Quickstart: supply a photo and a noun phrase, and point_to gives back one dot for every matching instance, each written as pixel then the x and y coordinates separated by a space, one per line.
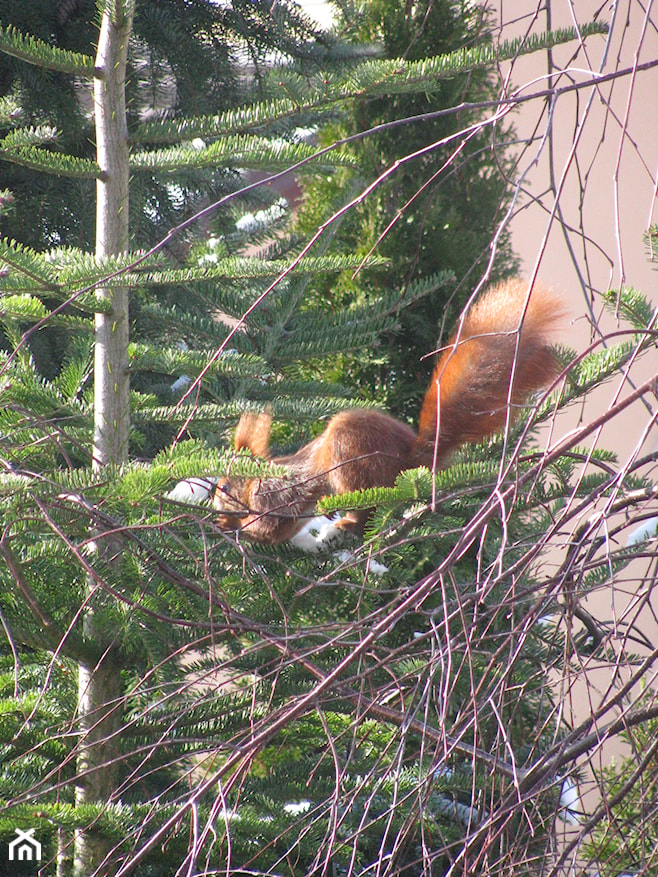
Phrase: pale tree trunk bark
pixel 100 691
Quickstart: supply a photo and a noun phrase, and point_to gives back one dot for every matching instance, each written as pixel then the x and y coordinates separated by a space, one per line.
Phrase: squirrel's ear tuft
pixel 253 433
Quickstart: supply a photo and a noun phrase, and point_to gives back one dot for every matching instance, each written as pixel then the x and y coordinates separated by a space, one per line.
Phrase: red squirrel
pixel 467 400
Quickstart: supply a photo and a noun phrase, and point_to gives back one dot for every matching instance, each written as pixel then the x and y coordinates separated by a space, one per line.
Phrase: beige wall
pixel 604 160
pixel 602 156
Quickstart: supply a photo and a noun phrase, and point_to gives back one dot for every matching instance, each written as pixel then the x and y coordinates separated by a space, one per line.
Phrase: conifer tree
pixel 625 838
pixel 440 210
pixel 274 710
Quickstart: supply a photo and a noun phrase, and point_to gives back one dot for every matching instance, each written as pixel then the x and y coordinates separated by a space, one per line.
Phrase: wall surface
pixel 586 141
pixel 588 168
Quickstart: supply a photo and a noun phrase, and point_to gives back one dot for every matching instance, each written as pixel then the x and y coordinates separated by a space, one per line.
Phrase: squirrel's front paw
pixel 318 534
pixel 193 491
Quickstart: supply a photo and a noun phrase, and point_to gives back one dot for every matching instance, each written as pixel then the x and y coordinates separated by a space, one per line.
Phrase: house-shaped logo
pixel 24 848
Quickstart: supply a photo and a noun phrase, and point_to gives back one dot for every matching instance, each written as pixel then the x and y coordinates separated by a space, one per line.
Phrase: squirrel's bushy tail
pixel 505 337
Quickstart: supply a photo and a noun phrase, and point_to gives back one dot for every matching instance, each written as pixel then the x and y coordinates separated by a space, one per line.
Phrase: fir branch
pixel 21 138
pixel 596 367
pixel 239 121
pixel 239 268
pixel 236 151
pixel 22 307
pixel 287 409
pixel 28 262
pixel 633 306
pixel 37 52
pixel 397 76
pixel 174 361
pixel 370 78
pixel 27 308
pixel 77 269
pixel 46 161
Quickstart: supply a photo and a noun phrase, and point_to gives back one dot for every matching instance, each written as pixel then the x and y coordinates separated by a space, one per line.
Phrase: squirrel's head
pixel 238 499
pixel 231 499
pixel 265 510
pixel 268 509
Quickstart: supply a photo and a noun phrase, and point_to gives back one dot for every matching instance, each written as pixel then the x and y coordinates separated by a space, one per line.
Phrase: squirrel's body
pixel 504 341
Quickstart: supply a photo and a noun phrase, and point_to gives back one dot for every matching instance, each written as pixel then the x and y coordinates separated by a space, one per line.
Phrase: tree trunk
pixel 100 691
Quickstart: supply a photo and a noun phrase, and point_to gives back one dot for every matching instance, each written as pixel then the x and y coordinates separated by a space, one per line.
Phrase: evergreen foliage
pixel 440 211
pixel 625 838
pixel 281 711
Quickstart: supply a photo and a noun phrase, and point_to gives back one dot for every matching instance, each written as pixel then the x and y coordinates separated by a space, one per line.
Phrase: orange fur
pixel 483 357
pixel 253 433
pixel 503 341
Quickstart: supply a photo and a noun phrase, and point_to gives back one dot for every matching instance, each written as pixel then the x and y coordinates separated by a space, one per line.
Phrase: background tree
pixel 186 60
pixel 437 212
pixel 279 710
pixel 625 838
pixel 101 657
